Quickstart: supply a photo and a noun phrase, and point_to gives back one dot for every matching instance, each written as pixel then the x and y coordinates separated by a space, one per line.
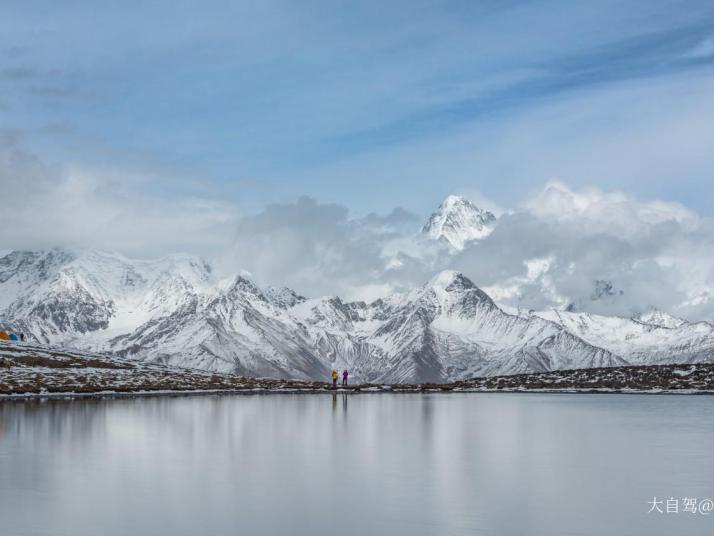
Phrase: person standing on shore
pixel 334 379
pixel 344 377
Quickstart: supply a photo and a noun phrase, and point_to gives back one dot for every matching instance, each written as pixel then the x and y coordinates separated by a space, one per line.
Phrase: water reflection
pixel 343 398
pixel 393 464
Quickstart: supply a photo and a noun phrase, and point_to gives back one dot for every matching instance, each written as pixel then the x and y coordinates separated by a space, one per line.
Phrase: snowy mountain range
pixel 174 311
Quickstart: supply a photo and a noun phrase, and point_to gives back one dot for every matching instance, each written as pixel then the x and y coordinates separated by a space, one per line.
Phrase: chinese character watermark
pixel 685 505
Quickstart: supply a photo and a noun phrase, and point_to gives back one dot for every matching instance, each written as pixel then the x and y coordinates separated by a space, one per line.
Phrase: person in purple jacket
pixel 344 377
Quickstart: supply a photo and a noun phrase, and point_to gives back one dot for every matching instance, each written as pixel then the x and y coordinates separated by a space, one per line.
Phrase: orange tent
pixel 4 335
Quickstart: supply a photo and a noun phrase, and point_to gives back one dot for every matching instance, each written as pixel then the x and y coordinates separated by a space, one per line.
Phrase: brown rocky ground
pixel 30 370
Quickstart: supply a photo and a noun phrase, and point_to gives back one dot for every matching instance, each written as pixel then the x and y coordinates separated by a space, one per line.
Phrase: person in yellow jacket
pixel 334 379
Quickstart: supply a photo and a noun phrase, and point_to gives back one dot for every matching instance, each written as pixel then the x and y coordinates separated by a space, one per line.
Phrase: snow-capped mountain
pixel 648 339
pixel 458 221
pixel 174 311
pixel 57 295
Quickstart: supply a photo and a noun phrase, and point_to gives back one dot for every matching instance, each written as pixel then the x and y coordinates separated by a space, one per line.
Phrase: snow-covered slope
pixel 450 329
pixel 459 221
pixel 67 297
pixel 648 339
pixel 174 311
pixel 238 330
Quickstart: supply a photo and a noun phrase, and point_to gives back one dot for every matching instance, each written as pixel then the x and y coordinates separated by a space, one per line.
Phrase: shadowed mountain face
pixel 173 311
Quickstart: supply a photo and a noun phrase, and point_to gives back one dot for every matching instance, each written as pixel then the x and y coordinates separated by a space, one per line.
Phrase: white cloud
pixel 557 247
pixel 597 211
pixel 702 50
pixel 562 246
pixel 79 207
pixel 574 245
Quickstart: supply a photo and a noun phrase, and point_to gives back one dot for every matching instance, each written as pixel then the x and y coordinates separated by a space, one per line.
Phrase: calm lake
pixel 376 464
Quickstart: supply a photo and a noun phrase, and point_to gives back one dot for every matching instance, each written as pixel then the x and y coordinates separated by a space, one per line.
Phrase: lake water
pixel 376 464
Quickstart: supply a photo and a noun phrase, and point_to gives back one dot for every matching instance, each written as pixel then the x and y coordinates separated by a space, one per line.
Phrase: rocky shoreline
pixel 28 371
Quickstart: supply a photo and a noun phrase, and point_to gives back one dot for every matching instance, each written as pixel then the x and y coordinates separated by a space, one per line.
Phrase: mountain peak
pixel 450 280
pixel 454 200
pixel 660 319
pixel 458 221
pixel 283 297
pixel 241 284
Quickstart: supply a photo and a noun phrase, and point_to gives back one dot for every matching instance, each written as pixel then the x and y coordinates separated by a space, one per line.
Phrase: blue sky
pixel 367 104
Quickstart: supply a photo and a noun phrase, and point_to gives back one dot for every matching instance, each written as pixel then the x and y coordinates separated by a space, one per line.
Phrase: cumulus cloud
pixel 318 248
pixel 563 247
pixel 592 250
pixel 46 206
pixel 587 249
pixel 615 212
